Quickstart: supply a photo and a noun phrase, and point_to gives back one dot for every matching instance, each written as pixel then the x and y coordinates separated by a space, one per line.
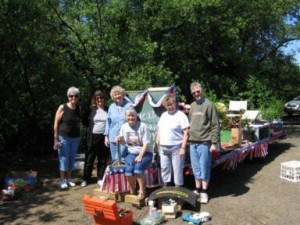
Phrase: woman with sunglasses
pixel 67 136
pixel 95 118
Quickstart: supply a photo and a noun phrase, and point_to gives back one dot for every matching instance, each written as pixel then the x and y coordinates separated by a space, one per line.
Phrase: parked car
pixel 292 106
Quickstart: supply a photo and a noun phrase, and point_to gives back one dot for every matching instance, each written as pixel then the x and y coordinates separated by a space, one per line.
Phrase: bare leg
pixel 131 184
pixel 69 174
pixel 198 183
pixel 141 180
pixel 63 175
pixel 205 184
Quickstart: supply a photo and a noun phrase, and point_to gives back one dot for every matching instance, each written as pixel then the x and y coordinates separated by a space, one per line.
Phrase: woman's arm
pixel 142 152
pixel 184 141
pixel 107 127
pixel 157 141
pixel 57 121
pixel 120 140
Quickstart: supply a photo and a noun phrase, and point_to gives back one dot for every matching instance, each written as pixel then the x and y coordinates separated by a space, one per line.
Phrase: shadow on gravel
pixel 223 183
pixel 233 182
pixel 48 174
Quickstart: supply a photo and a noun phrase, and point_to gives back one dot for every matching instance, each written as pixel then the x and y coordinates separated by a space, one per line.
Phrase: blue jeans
pixel 201 161
pixel 132 167
pixel 117 152
pixel 67 152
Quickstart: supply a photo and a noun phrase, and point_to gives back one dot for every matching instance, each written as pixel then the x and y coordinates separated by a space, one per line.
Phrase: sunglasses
pixel 196 92
pixel 99 97
pixel 73 96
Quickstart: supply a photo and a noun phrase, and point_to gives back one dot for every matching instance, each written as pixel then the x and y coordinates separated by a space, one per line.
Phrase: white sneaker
pixel 70 183
pixel 63 184
pixel 203 198
pixel 83 183
pixel 100 182
pixel 196 192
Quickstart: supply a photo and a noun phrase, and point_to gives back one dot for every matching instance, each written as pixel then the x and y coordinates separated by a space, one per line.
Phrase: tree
pixel 49 45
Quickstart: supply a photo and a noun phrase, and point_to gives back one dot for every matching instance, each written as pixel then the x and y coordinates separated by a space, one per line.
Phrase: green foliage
pixel 48 46
pixel 273 109
pixel 257 92
pixel 147 76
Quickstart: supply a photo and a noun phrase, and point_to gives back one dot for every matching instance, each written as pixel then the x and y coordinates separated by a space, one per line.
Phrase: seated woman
pixel 136 136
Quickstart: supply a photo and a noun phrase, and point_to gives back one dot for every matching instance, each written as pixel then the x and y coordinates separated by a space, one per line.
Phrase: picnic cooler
pixel 106 211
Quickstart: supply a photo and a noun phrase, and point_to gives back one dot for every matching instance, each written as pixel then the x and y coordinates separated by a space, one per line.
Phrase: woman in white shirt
pixel 136 136
pixel 171 140
pixel 95 119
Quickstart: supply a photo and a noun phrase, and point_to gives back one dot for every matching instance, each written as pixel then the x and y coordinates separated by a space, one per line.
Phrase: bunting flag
pixel 116 181
pixel 259 149
pixel 277 132
pixel 230 161
pixel 139 99
pixel 156 103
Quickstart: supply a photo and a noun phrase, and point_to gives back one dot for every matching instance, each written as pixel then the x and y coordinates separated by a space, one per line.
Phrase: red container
pixel 106 211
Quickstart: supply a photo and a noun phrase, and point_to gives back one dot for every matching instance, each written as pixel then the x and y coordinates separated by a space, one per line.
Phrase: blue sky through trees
pixel 293 48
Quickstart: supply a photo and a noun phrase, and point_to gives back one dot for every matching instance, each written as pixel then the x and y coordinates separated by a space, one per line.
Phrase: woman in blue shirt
pixel 115 119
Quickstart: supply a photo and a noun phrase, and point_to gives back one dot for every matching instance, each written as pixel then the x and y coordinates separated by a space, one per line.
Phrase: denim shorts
pixel 201 160
pixel 132 167
pixel 67 152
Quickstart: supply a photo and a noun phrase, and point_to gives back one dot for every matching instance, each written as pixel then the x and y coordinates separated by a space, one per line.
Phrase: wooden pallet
pixel 133 199
pixel 170 215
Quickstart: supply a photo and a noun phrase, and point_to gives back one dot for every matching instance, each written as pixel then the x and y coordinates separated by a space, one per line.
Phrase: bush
pixel 272 110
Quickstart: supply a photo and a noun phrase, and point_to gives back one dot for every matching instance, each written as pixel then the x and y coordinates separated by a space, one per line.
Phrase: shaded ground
pixel 252 194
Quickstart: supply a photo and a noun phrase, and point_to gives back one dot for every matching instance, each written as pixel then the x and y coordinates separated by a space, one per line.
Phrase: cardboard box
pixel 169 208
pixel 235 136
pixel 22 179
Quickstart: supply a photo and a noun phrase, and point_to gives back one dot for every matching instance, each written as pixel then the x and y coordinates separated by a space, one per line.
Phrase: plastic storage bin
pixel 290 171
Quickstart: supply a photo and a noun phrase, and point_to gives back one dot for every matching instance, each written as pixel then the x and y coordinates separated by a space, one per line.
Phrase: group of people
pixel 118 134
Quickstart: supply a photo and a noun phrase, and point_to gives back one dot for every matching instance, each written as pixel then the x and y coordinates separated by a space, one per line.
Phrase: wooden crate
pixel 133 199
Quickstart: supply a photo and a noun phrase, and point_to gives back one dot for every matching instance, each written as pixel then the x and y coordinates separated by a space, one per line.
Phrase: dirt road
pixel 252 194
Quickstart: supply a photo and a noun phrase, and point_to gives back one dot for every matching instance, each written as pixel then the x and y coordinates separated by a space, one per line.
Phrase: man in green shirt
pixel 204 137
